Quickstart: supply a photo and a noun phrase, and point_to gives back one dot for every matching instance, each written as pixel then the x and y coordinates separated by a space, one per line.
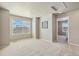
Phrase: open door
pixel 63 30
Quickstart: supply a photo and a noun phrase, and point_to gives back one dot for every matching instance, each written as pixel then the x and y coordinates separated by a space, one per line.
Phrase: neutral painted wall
pixel 45 15
pixel 47 33
pixel 73 26
pixel 4 27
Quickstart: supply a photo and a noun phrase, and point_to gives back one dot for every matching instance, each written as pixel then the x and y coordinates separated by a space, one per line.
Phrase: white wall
pixel 45 14
pixel 46 33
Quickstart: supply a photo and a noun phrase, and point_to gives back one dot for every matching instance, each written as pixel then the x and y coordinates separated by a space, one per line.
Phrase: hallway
pixel 62 39
pixel 33 47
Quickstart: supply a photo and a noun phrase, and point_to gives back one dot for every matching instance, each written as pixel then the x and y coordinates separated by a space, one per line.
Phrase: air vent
pixel 64 4
pixel 54 8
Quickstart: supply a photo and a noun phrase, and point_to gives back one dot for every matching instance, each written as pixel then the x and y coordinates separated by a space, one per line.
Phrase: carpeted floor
pixel 33 47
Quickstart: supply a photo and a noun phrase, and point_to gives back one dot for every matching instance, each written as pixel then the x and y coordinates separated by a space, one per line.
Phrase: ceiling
pixel 42 5
pixel 60 6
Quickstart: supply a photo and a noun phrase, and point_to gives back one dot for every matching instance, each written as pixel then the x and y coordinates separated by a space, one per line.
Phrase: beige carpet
pixel 32 47
pixel 62 39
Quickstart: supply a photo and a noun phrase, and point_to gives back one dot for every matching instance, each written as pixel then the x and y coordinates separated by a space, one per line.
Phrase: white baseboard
pixel 74 44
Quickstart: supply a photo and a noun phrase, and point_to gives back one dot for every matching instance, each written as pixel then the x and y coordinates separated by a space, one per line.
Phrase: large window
pixel 20 25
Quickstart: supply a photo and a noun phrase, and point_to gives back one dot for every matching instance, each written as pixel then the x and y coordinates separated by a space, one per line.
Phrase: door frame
pixel 37 27
pixel 62 19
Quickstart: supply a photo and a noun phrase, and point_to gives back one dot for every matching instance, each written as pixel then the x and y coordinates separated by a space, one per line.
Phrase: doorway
pixel 62 29
pixel 37 27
